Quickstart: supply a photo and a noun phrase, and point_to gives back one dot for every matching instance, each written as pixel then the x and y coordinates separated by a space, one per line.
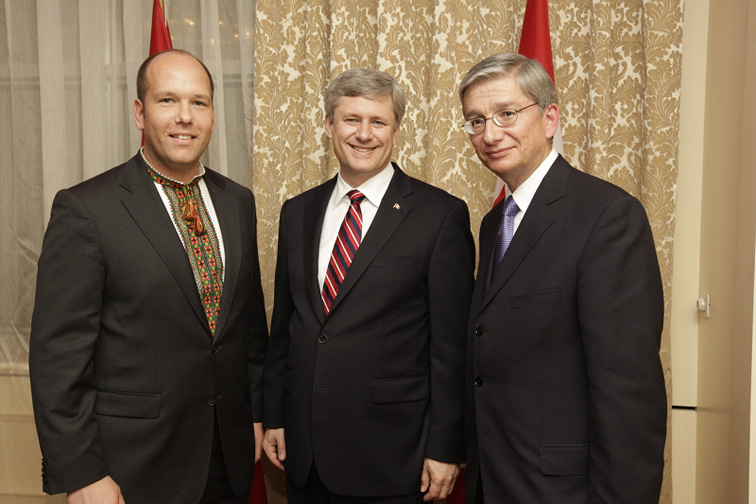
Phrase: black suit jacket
pixel 375 387
pixel 126 378
pixel 565 392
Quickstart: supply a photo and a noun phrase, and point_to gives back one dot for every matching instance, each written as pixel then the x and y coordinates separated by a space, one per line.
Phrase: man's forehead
pixel 164 65
pixel 352 102
pixel 502 92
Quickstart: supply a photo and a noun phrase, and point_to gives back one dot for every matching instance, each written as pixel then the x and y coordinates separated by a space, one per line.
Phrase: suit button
pixel 215 349
pixel 479 331
pixel 211 401
pixel 323 338
pixel 478 381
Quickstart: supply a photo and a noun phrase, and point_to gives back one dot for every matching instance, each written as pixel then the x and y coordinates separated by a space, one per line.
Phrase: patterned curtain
pixel 617 69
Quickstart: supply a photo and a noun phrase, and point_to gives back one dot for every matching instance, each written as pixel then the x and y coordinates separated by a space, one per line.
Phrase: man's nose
pixel 493 132
pixel 184 112
pixel 364 130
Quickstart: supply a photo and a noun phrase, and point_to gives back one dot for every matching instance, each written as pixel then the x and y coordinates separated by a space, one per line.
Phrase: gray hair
pixel 369 83
pixel 528 73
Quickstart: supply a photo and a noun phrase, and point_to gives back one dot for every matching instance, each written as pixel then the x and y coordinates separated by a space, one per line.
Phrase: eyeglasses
pixel 502 118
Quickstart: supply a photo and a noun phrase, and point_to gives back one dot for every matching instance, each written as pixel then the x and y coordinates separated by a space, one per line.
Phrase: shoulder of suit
pixel 599 189
pixel 106 180
pixel 224 182
pixel 424 190
pixel 323 189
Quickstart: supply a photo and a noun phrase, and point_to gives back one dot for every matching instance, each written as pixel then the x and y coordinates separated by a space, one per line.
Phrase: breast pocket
pixel 537 298
pixel 395 261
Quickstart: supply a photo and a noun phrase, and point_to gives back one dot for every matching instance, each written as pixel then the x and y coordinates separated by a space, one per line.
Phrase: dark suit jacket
pixel 375 387
pixel 565 392
pixel 125 376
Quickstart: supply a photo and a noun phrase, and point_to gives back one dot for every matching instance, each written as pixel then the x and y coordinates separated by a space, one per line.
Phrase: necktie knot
pixel 355 197
pixel 510 207
pixel 506 231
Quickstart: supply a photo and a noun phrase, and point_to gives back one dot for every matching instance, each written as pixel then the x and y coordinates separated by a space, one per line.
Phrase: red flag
pixel 535 43
pixel 257 493
pixel 160 38
pixel 535 40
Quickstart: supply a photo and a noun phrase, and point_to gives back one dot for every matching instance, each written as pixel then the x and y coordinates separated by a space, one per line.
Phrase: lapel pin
pixel 396 206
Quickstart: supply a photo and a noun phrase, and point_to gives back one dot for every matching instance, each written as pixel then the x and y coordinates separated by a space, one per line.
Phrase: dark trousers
pixel 218 488
pixel 314 492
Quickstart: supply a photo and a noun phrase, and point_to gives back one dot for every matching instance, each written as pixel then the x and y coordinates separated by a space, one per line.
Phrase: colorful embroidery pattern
pixel 191 218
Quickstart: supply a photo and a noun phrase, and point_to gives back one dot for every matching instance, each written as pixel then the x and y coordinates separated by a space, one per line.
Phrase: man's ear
pixel 551 120
pixel 329 127
pixel 139 114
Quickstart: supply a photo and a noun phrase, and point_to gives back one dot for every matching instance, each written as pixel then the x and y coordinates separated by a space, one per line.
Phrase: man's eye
pixel 507 113
pixel 478 121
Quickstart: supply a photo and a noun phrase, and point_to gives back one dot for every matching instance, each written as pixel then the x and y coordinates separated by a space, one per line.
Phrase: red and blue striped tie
pixel 347 243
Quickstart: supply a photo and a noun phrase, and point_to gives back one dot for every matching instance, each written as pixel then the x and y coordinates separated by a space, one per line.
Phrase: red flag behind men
pixel 535 43
pixel 160 38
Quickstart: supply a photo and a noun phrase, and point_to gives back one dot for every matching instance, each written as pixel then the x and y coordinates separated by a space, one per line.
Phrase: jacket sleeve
pixel 450 283
pixel 278 346
pixel 64 334
pixel 258 334
pixel 620 309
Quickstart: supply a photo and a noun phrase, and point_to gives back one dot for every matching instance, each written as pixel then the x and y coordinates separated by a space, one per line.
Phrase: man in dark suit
pixel 149 329
pixel 363 377
pixel 565 392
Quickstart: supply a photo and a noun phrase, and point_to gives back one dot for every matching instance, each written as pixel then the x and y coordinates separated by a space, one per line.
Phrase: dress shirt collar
pixel 374 188
pixel 523 195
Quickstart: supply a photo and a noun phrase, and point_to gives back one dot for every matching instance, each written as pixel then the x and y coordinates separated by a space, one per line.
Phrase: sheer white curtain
pixel 67 84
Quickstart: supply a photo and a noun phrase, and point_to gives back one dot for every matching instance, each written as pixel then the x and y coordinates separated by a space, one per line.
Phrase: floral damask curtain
pixel 617 69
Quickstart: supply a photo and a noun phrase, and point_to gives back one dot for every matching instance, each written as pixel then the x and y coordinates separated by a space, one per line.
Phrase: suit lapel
pixel 143 203
pixel 392 211
pixel 314 213
pixel 228 220
pixel 536 221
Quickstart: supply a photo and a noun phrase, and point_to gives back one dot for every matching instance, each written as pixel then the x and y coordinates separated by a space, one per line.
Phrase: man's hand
pixel 104 491
pixel 274 445
pixel 438 479
pixel 258 440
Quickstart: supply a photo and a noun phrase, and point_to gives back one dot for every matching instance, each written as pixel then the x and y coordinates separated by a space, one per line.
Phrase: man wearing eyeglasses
pixel 565 391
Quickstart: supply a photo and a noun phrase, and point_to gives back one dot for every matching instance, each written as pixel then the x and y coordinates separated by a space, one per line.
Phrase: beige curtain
pixel 617 69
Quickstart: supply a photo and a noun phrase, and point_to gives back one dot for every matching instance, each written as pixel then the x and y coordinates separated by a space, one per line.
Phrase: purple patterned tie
pixel 347 242
pixel 506 231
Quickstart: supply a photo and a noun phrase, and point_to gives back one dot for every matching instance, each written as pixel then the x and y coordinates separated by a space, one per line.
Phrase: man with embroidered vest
pixel 149 329
pixel 565 392
pixel 363 386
